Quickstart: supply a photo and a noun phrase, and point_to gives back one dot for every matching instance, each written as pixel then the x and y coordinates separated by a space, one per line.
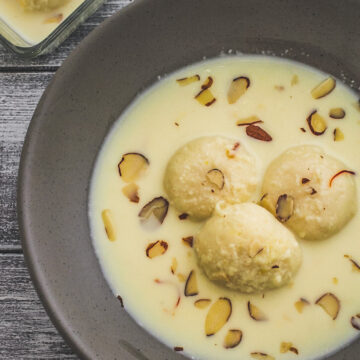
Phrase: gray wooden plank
pixel 8 59
pixel 19 95
pixel 26 332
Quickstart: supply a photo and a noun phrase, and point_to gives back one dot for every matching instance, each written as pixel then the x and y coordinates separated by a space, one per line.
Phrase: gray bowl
pixel 88 93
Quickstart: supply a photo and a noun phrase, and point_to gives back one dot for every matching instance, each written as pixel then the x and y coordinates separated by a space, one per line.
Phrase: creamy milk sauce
pixel 34 26
pixel 148 127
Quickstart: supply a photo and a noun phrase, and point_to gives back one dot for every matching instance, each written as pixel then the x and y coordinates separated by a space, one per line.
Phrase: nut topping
pixel 337 113
pixel 258 133
pixel 255 313
pixel 188 241
pixel 217 316
pixel 132 166
pixel 237 88
pixel 188 80
pixel 207 84
pixel 191 287
pixel 205 97
pixel 284 207
pixel 202 303
pixel 338 135
pixel 330 303
pixel 355 322
pixel 108 224
pixel 317 124
pixel 324 88
pixel 232 339
pixel 288 346
pixel 156 248
pixel 157 208
pixel 216 177
pixel 261 356
pixel 251 120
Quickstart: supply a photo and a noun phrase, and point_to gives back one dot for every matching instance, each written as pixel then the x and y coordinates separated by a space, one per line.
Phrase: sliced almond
pixel 188 241
pixel 354 263
pixel 330 303
pixel 156 209
pixel 251 120
pixel 294 80
pixel 324 88
pixel 109 224
pixel 132 166
pixel 232 338
pixel 355 322
pixel 131 192
pixel 340 173
pixel 257 133
pixel 288 346
pixel 337 113
pixel 261 356
pixel 191 286
pixel 338 135
pixel 301 304
pixel 317 123
pixel 237 88
pixel 284 207
pixel 217 316
pixel 216 177
pixel 208 83
pixel 174 265
pixel 156 248
pixel 56 19
pixel 205 97
pixel 255 313
pixel 202 303
pixel 188 80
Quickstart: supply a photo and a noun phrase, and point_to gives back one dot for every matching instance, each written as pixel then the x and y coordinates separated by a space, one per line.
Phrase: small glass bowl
pixel 15 42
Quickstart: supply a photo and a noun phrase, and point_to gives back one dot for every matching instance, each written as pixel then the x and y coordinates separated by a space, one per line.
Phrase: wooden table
pixel 25 329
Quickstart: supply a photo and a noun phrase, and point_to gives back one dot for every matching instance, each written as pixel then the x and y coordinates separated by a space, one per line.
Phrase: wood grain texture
pixel 25 329
pixel 26 332
pixel 19 95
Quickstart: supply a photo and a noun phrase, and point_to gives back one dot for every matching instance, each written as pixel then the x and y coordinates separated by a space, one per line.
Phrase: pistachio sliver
pixel 188 80
pixel 205 97
pixel 324 88
pixel 202 303
pixel 337 113
pixel 108 224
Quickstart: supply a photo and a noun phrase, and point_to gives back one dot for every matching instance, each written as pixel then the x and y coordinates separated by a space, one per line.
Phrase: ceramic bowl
pixel 117 61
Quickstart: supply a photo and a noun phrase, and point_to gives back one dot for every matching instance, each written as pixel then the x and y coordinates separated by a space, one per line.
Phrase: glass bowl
pixel 18 42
